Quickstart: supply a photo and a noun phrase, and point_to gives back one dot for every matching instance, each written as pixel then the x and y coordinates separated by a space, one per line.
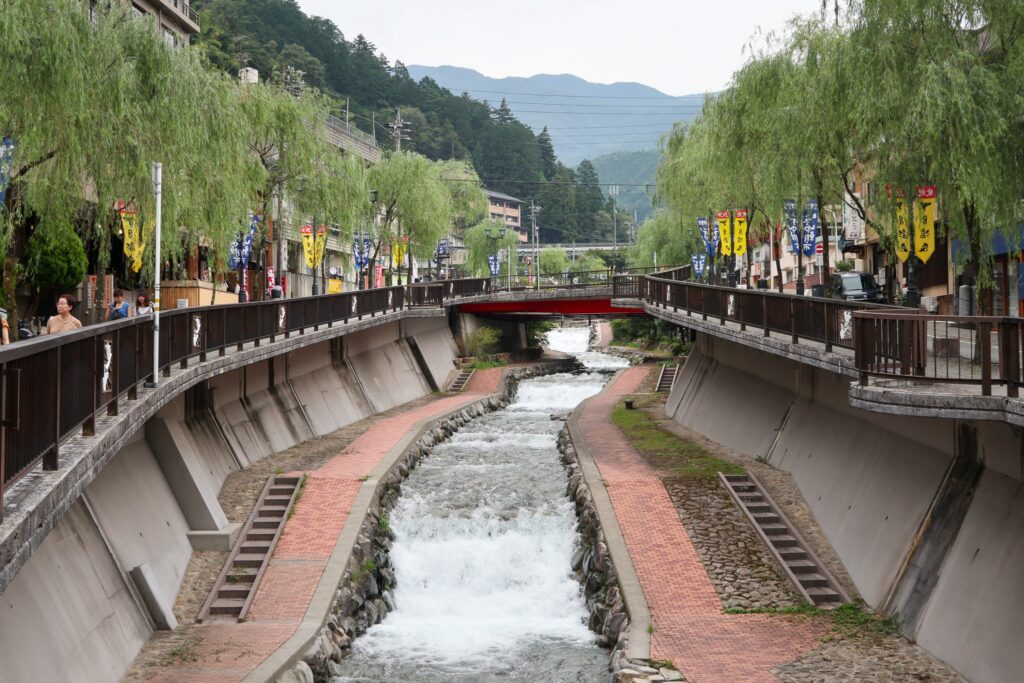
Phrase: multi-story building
pixel 510 210
pixel 176 19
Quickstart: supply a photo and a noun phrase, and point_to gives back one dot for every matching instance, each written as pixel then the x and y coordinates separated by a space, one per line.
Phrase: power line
pixel 548 94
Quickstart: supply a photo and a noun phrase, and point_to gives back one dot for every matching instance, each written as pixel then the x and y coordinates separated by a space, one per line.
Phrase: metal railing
pixel 351 130
pixel 186 9
pixel 969 350
pixel 829 321
pixel 606 277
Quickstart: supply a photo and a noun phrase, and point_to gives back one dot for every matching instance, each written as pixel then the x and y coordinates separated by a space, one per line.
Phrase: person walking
pixel 143 306
pixel 5 328
pixel 119 308
pixel 63 321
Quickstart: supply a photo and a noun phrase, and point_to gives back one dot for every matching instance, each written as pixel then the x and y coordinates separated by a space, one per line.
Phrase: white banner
pixel 853 224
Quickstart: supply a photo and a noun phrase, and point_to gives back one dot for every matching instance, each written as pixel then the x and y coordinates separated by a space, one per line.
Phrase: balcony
pixel 180 12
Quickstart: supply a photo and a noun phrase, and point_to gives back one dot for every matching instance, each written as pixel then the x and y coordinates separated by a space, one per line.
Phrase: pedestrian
pixel 119 308
pixel 63 321
pixel 5 328
pixel 143 306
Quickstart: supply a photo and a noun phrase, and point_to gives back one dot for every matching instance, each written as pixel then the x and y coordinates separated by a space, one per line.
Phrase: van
pixel 856 287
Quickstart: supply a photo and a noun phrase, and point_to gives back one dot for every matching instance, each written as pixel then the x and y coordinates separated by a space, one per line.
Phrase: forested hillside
pixel 634 173
pixel 366 87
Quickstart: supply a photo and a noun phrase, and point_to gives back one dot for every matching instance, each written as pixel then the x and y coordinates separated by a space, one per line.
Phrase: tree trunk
pixel 825 280
pixel 983 303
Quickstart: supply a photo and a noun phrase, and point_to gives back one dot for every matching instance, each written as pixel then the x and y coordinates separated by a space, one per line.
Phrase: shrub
pixel 844 266
pixel 482 341
pixel 55 257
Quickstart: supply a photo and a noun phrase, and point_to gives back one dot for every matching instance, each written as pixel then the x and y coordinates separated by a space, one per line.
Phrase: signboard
pixel 334 285
pixel 241 248
pixel 853 224
pixel 321 244
pixel 739 246
pixel 705 234
pixel 134 240
pixel 308 245
pixel 819 247
pixel 790 219
pixel 699 260
pixel 810 226
pixel 924 222
pixel 902 230
pixel 723 218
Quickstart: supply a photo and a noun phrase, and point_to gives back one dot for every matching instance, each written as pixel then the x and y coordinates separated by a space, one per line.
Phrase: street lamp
pixel 493 251
pixel 157 179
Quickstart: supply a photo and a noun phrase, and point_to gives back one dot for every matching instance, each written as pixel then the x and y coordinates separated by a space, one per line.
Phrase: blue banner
pixel 6 162
pixel 792 224
pixel 810 227
pixel 442 247
pixel 241 249
pixel 705 233
pixel 699 260
pixel 495 266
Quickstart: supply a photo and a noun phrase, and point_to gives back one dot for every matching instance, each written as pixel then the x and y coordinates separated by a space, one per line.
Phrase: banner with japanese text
pixel 924 222
pixel 321 244
pixel 811 221
pixel 739 226
pixel 134 239
pixel 723 218
pixel 6 164
pixel 699 260
pixel 902 227
pixel 705 234
pixel 308 245
pixel 792 224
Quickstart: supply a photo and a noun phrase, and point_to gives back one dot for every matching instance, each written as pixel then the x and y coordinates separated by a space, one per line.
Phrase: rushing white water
pixel 576 341
pixel 482 556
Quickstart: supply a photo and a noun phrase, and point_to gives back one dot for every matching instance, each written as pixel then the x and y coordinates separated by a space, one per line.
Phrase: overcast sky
pixel 677 46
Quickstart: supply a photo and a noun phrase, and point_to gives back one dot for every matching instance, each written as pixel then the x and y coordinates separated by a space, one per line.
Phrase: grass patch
pixel 683 458
pixel 298 496
pixel 183 652
pixel 848 619
pixel 486 364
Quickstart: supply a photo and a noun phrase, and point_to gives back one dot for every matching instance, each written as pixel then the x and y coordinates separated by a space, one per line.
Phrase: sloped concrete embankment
pixel 927 514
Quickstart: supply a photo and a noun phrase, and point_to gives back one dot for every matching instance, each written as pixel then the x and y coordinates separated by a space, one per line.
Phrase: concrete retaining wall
pixel 72 612
pixel 872 481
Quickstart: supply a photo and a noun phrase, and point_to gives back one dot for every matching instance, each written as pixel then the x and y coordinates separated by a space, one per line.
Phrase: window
pixel 170 38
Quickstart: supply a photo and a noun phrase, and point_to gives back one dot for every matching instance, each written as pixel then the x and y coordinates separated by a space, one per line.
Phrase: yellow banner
pixel 724 232
pixel 902 230
pixel 924 223
pixel 739 225
pixel 398 251
pixel 321 244
pixel 134 239
pixel 309 245
pixel 333 286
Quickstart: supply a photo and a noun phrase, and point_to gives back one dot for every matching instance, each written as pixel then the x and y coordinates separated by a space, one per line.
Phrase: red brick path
pixel 690 628
pixel 604 335
pixel 228 651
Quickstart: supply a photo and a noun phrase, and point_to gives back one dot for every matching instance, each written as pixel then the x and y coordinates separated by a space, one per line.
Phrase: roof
pixel 502 196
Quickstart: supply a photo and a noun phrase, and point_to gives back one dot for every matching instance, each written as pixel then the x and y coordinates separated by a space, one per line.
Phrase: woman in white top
pixel 143 306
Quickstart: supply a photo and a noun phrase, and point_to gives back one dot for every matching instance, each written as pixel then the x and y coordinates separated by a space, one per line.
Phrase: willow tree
pixel 91 98
pixel 485 239
pixel 412 203
pixel 663 239
pixel 941 87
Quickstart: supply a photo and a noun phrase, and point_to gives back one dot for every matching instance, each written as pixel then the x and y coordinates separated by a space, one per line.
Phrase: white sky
pixel 679 47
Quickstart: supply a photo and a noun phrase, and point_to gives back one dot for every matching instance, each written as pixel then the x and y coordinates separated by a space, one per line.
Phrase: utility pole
pixel 613 191
pixel 534 210
pixel 157 178
pixel 399 131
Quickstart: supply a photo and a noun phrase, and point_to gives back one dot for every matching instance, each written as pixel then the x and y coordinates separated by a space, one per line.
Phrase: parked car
pixel 856 287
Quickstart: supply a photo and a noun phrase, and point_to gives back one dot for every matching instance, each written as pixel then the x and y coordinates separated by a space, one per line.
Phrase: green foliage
pixel 490 236
pixel 487 364
pixel 553 261
pixel 684 458
pixel 412 201
pixel 536 332
pixel 844 266
pixel 55 257
pixel 482 340
pixel 635 172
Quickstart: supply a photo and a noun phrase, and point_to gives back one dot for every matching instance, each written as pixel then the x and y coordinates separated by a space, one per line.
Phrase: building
pixel 176 19
pixel 509 209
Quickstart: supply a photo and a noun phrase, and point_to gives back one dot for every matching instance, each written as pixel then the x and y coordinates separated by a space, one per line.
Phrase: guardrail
pixel 569 280
pixel 829 321
pixel 351 130
pixel 971 350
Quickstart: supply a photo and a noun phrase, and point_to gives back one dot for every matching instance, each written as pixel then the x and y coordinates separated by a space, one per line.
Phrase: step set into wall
pixel 667 377
pixel 804 570
pixel 236 586
pixel 461 380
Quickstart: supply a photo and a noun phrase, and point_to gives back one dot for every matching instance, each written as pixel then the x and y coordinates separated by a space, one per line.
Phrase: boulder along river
pixel 484 539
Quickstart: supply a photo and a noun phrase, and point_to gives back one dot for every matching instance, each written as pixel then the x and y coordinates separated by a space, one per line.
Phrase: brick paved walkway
pixel 604 335
pixel 690 628
pixel 228 651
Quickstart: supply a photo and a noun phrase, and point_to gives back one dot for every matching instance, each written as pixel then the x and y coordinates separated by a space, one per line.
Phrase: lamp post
pixel 157 178
pixel 493 251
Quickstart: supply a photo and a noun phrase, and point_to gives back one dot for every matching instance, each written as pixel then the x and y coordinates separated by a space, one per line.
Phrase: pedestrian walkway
pixel 228 651
pixel 690 627
pixel 604 335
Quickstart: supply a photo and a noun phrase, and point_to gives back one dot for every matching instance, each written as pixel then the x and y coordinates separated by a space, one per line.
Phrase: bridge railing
pixel 54 387
pixel 829 321
pixel 966 350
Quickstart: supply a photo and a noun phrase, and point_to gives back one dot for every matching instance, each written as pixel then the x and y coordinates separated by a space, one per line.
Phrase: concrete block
pixel 145 582
pixel 222 540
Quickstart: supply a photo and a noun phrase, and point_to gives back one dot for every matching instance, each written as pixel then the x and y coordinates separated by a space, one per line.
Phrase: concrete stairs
pixel 461 380
pixel 236 586
pixel 804 570
pixel 667 377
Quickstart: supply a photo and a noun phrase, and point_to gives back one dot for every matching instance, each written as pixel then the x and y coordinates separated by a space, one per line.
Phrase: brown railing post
pixel 740 302
pixel 764 315
pixel 89 426
pixel 703 308
pixel 792 321
pixel 723 305
pixel 51 458
pixel 829 327
pixel 115 372
pixel 1009 356
pixel 985 340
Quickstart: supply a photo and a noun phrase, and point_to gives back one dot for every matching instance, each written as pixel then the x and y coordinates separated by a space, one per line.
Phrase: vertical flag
pixel 724 233
pixel 321 244
pixel 309 245
pixel 6 163
pixel 810 227
pixel 705 234
pixel 924 223
pixel 902 223
pixel 739 246
pixel 698 264
pixel 792 224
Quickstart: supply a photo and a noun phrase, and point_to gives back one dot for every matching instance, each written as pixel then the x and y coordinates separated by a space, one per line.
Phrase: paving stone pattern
pixel 228 651
pixel 689 625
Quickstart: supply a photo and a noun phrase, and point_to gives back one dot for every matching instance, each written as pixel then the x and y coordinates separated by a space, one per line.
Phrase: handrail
pixel 351 130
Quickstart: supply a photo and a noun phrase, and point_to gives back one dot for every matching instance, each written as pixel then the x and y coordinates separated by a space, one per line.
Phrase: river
pixel 484 537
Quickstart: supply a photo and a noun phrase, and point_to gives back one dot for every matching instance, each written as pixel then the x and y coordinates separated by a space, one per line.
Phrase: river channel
pixel 484 537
